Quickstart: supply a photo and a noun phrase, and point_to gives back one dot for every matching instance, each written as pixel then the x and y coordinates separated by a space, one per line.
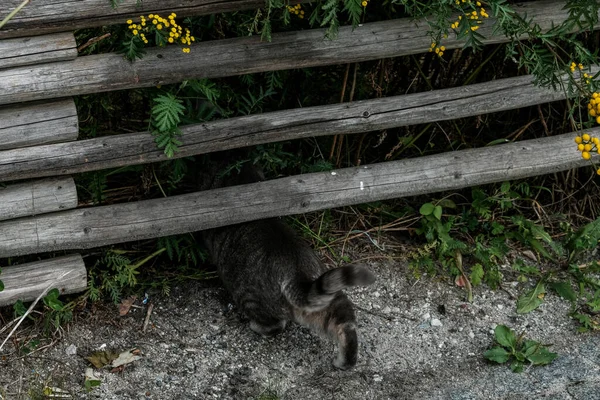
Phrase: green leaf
pixel 532 299
pixel 538 354
pixel 426 209
pixel 505 336
pixel 167 112
pixel 497 354
pixel 19 308
pixel 437 212
pixel 505 187
pixel 516 367
pixel 476 275
pixel 563 289
pixel 52 301
pixel 447 203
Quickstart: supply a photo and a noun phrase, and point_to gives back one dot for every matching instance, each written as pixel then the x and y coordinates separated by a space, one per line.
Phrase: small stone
pixel 395 309
pixel 71 350
pixel 426 316
pixel 500 306
pixel 377 378
pixel 471 335
pixel 386 310
pixel 376 294
pixel 436 322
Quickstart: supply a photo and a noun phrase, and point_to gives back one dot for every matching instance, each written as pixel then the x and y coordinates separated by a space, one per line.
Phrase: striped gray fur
pixel 275 277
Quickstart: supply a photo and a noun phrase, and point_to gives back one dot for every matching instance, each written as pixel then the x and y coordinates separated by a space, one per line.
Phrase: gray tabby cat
pixel 275 277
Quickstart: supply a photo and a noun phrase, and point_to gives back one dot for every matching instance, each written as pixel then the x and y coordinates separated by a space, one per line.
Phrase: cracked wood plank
pixel 38 123
pixel 37 197
pixel 37 50
pixel 59 15
pixel 228 57
pixel 355 117
pixel 104 225
pixel 27 281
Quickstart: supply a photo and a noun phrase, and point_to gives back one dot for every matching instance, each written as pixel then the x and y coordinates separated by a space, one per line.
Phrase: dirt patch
pixel 419 340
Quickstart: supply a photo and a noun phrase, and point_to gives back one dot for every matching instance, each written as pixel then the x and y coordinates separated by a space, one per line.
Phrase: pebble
pixel 376 294
pixel 71 350
pixel 500 306
pixel 395 309
pixel 377 378
pixel 471 335
pixel 436 322
pixel 386 310
pixel 426 316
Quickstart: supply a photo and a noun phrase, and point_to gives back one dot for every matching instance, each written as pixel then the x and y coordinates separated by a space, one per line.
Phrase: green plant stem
pixel 13 12
pixel 145 260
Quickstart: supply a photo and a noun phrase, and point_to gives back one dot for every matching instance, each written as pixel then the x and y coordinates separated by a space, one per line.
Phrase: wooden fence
pixel 38 139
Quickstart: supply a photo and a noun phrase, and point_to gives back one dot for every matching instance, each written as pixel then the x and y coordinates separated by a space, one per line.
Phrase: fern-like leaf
pixel 167 112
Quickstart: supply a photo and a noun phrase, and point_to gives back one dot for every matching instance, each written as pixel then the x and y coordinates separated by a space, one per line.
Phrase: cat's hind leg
pixel 337 322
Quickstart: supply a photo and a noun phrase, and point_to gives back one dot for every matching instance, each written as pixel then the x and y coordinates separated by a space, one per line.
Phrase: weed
pixel 518 350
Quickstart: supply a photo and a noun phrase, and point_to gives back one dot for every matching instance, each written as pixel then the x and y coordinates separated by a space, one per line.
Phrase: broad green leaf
pixel 532 299
pixel 476 274
pixel 541 356
pixel 1 286
pixel 505 336
pixel 437 212
pixel 426 209
pixel 497 354
pixel 505 187
pixel 563 289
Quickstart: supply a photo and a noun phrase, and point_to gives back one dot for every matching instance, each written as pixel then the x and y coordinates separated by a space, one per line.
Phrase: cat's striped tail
pixel 317 295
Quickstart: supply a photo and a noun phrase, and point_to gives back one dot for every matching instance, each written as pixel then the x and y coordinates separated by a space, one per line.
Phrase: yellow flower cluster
pixel 297 9
pixel 167 28
pixel 588 144
pixel 574 66
pixel 473 15
pixel 136 29
pixel 594 106
pixel 439 50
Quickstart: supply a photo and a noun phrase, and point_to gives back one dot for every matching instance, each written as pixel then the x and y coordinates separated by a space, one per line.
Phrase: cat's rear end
pixel 274 277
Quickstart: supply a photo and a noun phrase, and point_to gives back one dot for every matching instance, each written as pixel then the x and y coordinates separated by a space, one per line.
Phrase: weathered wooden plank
pixel 38 123
pixel 37 197
pixel 59 15
pixel 105 72
pixel 360 116
pixel 96 226
pixel 26 282
pixel 37 50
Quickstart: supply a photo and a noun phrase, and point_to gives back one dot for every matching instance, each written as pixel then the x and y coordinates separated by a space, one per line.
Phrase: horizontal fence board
pixel 355 117
pixel 32 124
pixel 97 226
pixel 37 197
pixel 37 50
pixel 26 282
pixel 58 15
pixel 219 58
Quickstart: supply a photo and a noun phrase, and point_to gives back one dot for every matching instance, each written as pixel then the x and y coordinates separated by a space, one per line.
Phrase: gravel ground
pixel 419 340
